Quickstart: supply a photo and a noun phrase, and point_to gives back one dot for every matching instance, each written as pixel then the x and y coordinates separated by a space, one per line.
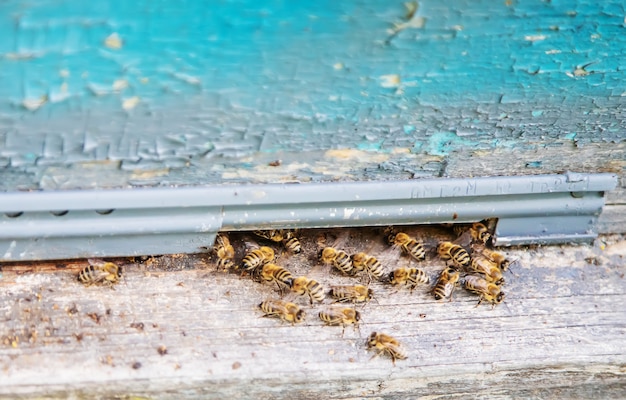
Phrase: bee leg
pixel 376 355
pixel 343 329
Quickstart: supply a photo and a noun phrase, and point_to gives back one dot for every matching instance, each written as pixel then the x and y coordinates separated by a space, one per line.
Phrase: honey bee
pixel 257 258
pixel 487 291
pixel 409 245
pixel 99 271
pixel 274 273
pixel 457 254
pixel 287 237
pixel 303 285
pixel 353 293
pixel 292 243
pixel 480 232
pixel 275 235
pixel 364 262
pixel 488 268
pixel 500 259
pixel 224 251
pixel 446 283
pixel 408 276
pixel 288 312
pixel 386 344
pixel 340 316
pixel 338 258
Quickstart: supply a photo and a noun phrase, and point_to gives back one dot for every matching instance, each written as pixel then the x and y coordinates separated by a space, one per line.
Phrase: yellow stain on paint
pixel 113 41
pixel 359 155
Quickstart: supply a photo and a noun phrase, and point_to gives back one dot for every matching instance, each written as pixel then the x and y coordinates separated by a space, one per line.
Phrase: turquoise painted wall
pixel 169 83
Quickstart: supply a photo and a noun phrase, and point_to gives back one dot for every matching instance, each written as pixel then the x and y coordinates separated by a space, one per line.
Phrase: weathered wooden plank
pixel 612 219
pixel 560 331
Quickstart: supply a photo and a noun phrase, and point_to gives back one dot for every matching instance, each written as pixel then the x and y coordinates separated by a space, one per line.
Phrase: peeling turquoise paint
pixel 178 83
pixel 441 144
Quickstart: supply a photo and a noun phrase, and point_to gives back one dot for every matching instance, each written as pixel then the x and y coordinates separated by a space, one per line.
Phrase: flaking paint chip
pixel 34 104
pixel 390 81
pixel 120 84
pixel 113 41
pixel 535 38
pixel 130 103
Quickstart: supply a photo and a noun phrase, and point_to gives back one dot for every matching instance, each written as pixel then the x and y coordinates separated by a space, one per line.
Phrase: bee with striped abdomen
pixel 224 252
pixel 284 236
pixel 488 268
pixel 455 253
pixel 487 291
pixel 408 245
pixel 386 344
pixel 303 285
pixel 408 276
pixel 351 293
pixel 338 258
pixel 274 273
pixel 479 232
pixel 340 316
pixel 286 311
pixel 447 281
pixel 369 264
pixel 257 258
pixel 499 258
pixel 99 271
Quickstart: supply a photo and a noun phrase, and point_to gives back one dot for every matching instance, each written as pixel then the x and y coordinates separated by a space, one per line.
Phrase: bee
pixel 257 258
pixel 409 245
pixel 224 251
pixel 338 258
pixel 99 271
pixel 274 273
pixel 446 283
pixel 287 237
pixel 362 261
pixel 288 312
pixel 500 259
pixel 485 266
pixel 303 285
pixel 355 294
pixel 457 254
pixel 480 232
pixel 340 316
pixel 408 276
pixel 292 243
pixel 486 290
pixel 275 235
pixel 386 344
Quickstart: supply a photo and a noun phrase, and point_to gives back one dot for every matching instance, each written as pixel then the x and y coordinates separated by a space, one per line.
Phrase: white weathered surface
pixel 560 333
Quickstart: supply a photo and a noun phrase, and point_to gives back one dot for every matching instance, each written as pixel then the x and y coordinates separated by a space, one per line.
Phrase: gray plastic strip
pixel 107 223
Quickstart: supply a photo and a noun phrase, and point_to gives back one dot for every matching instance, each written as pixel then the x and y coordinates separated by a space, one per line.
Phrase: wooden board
pixel 177 328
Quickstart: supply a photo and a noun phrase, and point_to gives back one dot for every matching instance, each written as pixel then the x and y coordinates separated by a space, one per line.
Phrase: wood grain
pixel 177 328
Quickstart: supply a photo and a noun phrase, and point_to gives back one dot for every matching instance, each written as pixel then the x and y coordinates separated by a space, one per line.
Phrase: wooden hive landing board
pixel 177 328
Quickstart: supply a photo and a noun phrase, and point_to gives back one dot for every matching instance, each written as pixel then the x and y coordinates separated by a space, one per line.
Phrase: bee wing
pixel 96 262
pixel 464 239
pixel 396 349
pixel 335 318
pixel 263 234
pixel 99 276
